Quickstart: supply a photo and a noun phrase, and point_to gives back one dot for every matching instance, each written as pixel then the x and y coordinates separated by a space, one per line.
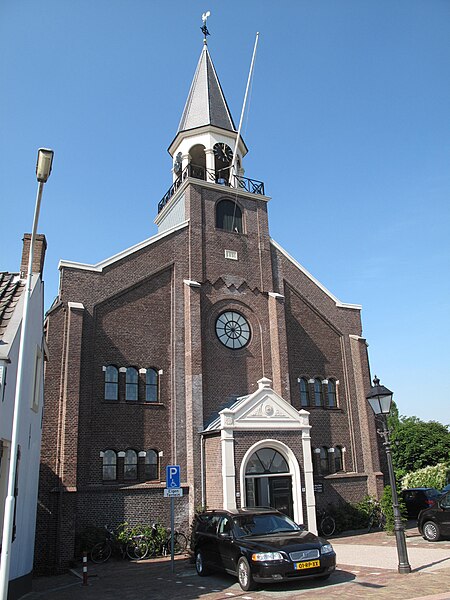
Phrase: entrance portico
pixel 271 472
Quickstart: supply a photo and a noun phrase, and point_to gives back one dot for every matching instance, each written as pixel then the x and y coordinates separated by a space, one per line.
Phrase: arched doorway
pixel 268 481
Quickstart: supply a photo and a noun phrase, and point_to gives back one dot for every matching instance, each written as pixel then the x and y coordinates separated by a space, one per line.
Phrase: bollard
pixel 85 570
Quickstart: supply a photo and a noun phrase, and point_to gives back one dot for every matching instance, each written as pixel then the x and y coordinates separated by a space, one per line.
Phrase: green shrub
pixel 388 510
pixel 434 476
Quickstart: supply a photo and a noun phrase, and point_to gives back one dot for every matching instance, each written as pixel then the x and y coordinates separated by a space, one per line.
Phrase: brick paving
pixel 154 580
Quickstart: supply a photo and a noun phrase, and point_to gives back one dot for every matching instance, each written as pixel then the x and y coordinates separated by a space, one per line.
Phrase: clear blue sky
pixel 348 126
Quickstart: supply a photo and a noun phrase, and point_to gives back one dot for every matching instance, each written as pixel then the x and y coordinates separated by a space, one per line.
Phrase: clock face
pixel 233 330
pixel 223 152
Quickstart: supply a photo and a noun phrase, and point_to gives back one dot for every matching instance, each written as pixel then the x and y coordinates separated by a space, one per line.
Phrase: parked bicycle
pixel 121 542
pixel 325 523
pixel 160 541
pixel 377 519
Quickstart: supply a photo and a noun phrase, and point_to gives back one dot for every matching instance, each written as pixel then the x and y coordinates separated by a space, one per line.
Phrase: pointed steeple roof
pixel 206 104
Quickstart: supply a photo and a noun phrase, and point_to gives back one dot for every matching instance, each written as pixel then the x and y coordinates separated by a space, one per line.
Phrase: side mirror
pixel 226 535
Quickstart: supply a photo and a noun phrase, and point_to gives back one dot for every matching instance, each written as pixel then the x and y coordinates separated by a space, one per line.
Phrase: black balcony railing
pixel 221 177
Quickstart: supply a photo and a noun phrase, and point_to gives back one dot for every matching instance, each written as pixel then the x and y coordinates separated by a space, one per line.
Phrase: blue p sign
pixel 173 476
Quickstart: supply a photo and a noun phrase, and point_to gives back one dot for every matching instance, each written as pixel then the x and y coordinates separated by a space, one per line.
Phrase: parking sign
pixel 173 476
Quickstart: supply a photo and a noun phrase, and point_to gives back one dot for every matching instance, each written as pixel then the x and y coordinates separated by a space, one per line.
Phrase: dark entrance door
pixel 280 491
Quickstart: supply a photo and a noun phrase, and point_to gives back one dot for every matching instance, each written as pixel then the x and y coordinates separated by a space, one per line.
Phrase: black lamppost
pixel 380 400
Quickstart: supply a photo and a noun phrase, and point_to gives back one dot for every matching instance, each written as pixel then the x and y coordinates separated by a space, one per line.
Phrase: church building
pixel 206 346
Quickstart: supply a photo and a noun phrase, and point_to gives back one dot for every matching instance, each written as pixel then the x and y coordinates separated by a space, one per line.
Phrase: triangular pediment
pixel 262 410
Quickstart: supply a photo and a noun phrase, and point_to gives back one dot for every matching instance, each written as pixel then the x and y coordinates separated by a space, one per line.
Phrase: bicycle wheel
pixel 327 526
pixel 179 543
pixel 101 552
pixel 137 549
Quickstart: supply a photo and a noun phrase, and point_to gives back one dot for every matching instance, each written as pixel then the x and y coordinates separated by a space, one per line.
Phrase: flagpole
pixel 233 163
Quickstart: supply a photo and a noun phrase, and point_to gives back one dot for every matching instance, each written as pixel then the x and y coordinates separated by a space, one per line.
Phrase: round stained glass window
pixel 233 330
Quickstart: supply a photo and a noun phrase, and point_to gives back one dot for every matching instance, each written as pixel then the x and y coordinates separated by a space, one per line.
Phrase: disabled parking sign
pixel 172 476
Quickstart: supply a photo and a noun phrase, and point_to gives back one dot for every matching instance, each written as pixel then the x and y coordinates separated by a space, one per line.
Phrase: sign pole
pixel 172 528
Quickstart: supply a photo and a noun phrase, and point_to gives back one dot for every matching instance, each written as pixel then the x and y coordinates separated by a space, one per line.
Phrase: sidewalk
pixel 367 568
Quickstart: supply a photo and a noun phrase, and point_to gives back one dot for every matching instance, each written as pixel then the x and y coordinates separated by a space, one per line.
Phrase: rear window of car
pixel 431 493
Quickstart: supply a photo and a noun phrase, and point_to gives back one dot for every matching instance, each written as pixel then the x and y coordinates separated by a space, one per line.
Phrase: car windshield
pixel 263 524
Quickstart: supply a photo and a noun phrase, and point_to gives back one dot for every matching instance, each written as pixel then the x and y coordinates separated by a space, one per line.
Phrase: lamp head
pixel 379 398
pixel 44 164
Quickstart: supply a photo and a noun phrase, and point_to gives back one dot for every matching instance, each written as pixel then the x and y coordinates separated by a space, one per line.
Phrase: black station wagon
pixel 434 523
pixel 259 545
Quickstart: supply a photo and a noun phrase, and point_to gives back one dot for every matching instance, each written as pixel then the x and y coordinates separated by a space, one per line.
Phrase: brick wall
pixel 213 472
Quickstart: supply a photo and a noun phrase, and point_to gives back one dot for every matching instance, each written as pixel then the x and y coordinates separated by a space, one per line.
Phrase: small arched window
pixel 151 385
pixel 338 459
pixel 324 464
pixel 318 401
pixel 229 216
pixel 109 465
pixel 151 471
pixel 132 385
pixel 130 465
pixel 304 392
pixel 331 388
pixel 111 383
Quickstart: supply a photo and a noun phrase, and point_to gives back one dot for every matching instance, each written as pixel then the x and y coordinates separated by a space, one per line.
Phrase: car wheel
pixel 200 565
pixel 244 575
pixel 431 531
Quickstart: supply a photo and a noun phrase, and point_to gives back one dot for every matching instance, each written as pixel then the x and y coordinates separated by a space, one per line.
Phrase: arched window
pixel 132 385
pixel 316 460
pixel 318 401
pixel 111 383
pixel 338 459
pixel 130 465
pixel 304 392
pixel 331 393
pixel 109 465
pixel 324 464
pixel 265 461
pixel 229 216
pixel 151 471
pixel 151 385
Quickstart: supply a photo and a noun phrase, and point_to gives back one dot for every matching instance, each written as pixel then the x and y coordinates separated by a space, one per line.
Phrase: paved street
pixel 367 568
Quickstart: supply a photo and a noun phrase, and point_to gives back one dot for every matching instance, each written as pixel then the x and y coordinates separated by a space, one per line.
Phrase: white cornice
pixel 313 279
pixel 105 263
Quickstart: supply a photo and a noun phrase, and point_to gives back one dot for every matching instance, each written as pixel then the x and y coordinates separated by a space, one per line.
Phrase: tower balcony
pixel 219 177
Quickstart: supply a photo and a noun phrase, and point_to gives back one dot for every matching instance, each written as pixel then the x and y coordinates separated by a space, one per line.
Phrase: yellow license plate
pixel 308 564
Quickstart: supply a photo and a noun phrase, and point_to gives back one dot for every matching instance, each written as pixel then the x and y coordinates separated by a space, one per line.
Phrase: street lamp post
pixel 380 399
pixel 43 170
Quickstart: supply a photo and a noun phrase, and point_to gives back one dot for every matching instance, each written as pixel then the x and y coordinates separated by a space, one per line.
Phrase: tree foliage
pixel 417 444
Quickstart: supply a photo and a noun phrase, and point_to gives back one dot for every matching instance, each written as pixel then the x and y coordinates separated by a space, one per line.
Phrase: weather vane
pixel 204 28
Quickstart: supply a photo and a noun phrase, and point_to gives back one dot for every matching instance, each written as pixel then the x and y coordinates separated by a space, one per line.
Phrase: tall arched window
pixel 304 392
pixel 132 385
pixel 338 459
pixel 318 401
pixel 229 216
pixel 151 385
pixel 111 383
pixel 130 465
pixel 331 387
pixel 324 464
pixel 151 471
pixel 109 465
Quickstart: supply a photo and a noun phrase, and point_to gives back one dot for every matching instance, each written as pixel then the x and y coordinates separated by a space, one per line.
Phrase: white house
pixel 12 293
